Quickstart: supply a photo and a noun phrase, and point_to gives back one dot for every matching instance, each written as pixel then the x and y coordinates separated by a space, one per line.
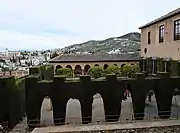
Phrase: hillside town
pixel 17 63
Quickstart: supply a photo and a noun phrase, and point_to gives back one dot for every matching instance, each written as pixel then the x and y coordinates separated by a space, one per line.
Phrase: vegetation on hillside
pixel 128 43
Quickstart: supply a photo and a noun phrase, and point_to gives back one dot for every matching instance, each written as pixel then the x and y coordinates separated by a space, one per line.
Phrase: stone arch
pixel 78 70
pixel 138 98
pixel 106 66
pixel 175 106
pixel 132 64
pixel 126 105
pixel 86 68
pixel 58 66
pixel 96 65
pixel 98 106
pixel 123 65
pixel 73 112
pixel 69 66
pixel 46 114
pixel 151 108
pixel 115 64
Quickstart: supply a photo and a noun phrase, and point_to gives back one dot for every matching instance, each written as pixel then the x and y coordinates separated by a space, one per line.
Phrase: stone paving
pixel 158 127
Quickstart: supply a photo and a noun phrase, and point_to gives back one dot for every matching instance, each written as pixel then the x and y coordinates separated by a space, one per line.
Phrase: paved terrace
pixel 106 127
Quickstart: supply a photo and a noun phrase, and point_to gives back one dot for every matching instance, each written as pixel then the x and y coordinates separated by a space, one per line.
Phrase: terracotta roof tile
pixel 106 57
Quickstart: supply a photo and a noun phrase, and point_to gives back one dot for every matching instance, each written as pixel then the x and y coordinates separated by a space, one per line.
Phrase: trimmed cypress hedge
pixel 46 72
pixel 12 100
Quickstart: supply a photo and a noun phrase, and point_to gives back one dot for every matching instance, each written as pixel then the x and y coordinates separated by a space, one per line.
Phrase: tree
pixel 96 72
pixel 4 69
pixel 14 59
pixel 65 72
pixel 53 55
pixel 130 70
pixel 126 70
pixel 113 70
pixel 23 57
pixel 134 69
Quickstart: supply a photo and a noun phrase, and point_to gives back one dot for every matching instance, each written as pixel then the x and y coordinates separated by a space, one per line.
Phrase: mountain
pixel 128 43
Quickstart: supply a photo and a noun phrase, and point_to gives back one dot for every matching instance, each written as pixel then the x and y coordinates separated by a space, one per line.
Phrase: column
pixel 165 66
pixel 153 67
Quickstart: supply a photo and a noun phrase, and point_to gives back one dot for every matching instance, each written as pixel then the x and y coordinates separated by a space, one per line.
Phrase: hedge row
pixel 46 72
pixel 160 65
pixel 12 100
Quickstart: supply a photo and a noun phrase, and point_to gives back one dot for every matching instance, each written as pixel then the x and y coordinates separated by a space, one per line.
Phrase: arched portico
pixel 123 65
pixel 86 68
pixel 106 66
pixel 78 70
pixel 69 66
pixel 96 65
pixel 58 67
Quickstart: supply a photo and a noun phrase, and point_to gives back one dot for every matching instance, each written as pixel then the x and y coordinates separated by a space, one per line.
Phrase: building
pixel 81 63
pixel 161 37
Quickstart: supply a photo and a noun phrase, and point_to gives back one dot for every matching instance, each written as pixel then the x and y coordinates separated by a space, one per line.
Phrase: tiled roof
pixel 166 16
pixel 94 58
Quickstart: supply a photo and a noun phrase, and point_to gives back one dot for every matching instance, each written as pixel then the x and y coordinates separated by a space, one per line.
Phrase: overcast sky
pixel 44 24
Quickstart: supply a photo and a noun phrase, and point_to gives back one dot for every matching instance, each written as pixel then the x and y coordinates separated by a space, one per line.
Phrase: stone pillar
pixel 143 65
pixel 73 72
pixel 83 73
pixel 165 66
pixel 153 65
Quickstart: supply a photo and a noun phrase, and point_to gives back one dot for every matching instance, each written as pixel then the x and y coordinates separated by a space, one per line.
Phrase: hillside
pixel 128 43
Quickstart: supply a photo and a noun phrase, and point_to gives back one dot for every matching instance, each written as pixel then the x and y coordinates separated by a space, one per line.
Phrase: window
pixel 161 33
pixel 149 37
pixel 177 29
pixel 145 50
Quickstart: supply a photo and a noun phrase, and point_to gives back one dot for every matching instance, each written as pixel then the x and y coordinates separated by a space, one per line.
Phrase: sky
pixel 49 24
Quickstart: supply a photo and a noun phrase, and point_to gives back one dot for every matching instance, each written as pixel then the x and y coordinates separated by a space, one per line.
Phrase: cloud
pixel 57 23
pixel 12 40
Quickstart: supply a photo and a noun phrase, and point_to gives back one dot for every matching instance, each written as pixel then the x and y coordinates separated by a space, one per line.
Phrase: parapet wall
pixel 111 89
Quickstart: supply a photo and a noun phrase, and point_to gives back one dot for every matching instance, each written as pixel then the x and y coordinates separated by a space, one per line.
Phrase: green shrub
pixel 113 70
pixel 65 72
pixel 130 70
pixel 149 65
pixel 48 72
pixel 134 69
pixel 96 72
pixel 160 65
pixel 174 67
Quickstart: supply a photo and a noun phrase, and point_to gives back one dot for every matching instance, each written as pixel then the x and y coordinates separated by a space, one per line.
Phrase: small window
pixel 177 29
pixel 145 50
pixel 149 37
pixel 161 33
